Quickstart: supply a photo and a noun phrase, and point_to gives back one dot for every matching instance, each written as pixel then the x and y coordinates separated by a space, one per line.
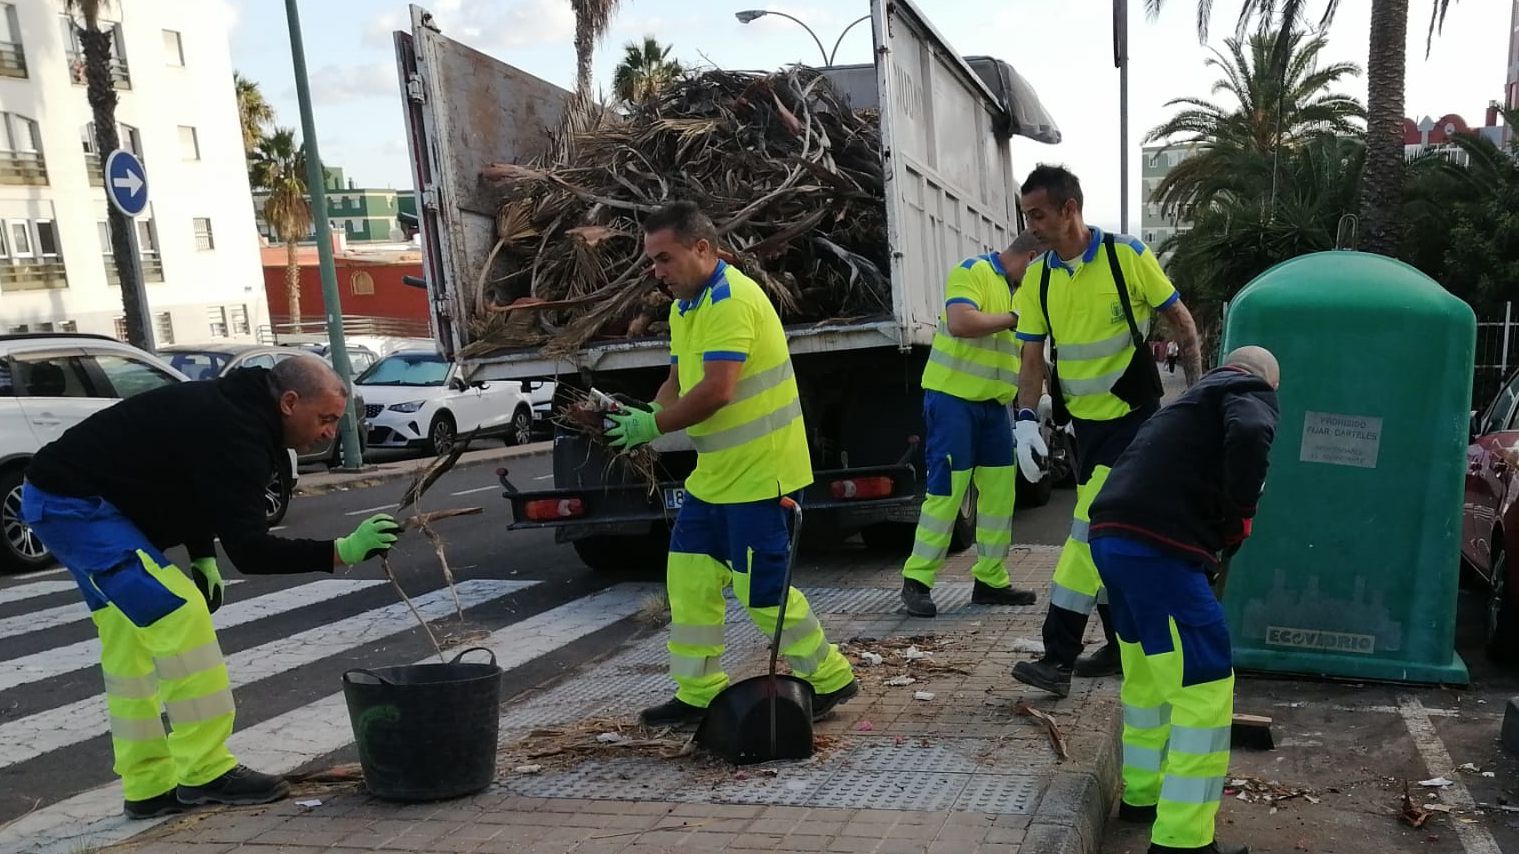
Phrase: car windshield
pixel 199 364
pixel 418 369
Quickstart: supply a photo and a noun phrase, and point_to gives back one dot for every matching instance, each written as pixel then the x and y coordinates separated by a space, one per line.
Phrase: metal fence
pixel 1497 354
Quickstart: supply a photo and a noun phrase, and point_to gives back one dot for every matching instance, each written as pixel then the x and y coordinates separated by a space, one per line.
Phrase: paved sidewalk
pixel 371 475
pixel 959 772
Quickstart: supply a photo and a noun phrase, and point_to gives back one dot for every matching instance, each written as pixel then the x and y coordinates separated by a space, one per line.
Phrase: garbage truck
pixel 950 193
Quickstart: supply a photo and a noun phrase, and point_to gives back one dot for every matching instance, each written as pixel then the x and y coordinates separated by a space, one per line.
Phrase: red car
pixel 1490 518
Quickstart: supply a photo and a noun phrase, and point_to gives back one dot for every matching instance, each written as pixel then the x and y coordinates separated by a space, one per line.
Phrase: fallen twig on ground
pixel 1057 738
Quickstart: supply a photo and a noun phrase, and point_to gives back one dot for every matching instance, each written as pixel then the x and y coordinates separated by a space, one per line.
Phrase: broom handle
pixel 780 617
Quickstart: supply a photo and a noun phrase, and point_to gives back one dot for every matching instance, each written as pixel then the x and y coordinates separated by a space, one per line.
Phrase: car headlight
pixel 409 406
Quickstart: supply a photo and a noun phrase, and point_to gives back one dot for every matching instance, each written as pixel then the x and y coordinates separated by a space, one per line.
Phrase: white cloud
pixel 332 84
pixel 488 27
pixel 377 33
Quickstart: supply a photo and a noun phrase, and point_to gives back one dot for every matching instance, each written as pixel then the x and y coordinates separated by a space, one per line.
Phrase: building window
pixel 120 78
pixel 21 239
pixel 363 284
pixel 121 328
pixel 12 56
pixel 164 325
pixel 203 238
pixel 189 143
pixel 68 326
pixel 21 159
pixel 174 49
pixel 240 320
pixel 216 319
pixel 47 240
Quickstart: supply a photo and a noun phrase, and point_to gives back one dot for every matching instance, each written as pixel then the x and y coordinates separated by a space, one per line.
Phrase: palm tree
pixel 100 91
pixel 1272 111
pixel 253 111
pixel 278 166
pixel 1382 179
pixel 591 20
pixel 645 70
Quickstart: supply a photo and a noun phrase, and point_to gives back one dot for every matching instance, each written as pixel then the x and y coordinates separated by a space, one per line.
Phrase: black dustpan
pixel 764 717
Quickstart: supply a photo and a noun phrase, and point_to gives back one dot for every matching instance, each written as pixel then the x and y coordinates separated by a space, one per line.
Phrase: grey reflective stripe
pixel 929 551
pixel 137 729
pixel 1146 717
pixel 1102 595
pixel 965 366
pixel 131 687
pixel 995 552
pixel 1095 385
pixel 1143 758
pixel 695 667
pixel 801 631
pixel 1192 790
pixel 1081 530
pixel 696 635
pixel 1186 739
pixel 190 662
pixel 942 527
pixel 1004 346
pixel 1071 600
pixel 994 524
pixel 762 382
pixel 201 708
pixel 1101 349
pixel 804 664
pixel 749 431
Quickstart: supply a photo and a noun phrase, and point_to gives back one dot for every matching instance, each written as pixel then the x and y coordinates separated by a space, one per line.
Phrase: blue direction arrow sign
pixel 126 182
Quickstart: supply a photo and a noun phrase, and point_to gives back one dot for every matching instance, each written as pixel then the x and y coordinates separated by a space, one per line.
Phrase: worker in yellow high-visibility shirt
pixel 732 389
pixel 1093 295
pixel 970 378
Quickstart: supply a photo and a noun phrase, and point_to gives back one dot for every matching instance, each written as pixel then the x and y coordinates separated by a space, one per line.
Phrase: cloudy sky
pixel 1061 46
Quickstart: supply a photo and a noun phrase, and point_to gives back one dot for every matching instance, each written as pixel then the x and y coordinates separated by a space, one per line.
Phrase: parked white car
pixel 417 399
pixel 49 383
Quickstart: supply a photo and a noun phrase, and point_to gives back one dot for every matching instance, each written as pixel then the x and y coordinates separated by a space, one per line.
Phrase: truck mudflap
pixel 885 490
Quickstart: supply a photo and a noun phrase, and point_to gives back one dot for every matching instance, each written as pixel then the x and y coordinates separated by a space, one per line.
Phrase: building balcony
pixel 23 167
pixel 121 78
pixel 12 60
pixel 33 276
pixel 152 269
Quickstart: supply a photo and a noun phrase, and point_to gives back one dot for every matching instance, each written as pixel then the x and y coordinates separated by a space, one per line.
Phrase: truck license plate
pixel 674 498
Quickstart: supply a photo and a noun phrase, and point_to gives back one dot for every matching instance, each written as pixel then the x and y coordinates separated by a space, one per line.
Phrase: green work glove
pixel 208 579
pixel 633 427
pixel 372 538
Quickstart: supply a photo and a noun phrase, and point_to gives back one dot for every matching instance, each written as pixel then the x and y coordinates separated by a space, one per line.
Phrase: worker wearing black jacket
pixel 183 465
pixel 1184 491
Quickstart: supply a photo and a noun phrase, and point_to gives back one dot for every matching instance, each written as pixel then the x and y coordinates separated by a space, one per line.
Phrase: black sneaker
pixel 1136 814
pixel 161 805
pixel 917 599
pixel 676 712
pixel 240 786
pixel 1214 847
pixel 1042 674
pixel 1103 662
pixel 824 704
pixel 985 594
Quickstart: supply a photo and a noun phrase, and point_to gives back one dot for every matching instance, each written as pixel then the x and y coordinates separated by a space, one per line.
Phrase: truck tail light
pixel 861 488
pixel 551 509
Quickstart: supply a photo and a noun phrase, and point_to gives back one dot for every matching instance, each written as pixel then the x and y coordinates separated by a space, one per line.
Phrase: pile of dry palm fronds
pixel 584 413
pixel 790 174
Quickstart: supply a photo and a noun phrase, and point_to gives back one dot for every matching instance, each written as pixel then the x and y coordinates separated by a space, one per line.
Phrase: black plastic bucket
pixel 426 732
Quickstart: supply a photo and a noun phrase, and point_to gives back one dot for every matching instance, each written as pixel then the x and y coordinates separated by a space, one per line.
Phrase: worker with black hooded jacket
pixel 183 465
pixel 1183 493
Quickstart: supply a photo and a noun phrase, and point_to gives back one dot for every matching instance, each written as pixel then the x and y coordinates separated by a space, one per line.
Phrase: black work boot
pixel 159 805
pixel 1104 662
pixel 1136 814
pixel 985 594
pixel 676 712
pixel 824 704
pixel 1044 674
pixel 1214 847
pixel 240 786
pixel 917 599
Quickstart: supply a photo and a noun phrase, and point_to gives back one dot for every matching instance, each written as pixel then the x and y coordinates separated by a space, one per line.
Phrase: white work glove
pixel 1031 448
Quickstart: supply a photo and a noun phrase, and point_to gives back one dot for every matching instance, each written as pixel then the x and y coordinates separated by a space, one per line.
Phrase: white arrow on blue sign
pixel 126 182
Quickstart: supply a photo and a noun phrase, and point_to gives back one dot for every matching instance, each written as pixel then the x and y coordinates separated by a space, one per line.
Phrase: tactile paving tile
pixel 906 790
pixel 795 785
pixel 624 779
pixel 957 755
pixel 1001 794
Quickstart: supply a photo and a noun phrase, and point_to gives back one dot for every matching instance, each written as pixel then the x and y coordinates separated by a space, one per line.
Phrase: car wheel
pixel 521 430
pixel 22 551
pixel 1027 493
pixel 277 497
pixel 442 434
pixel 1502 616
pixel 963 535
pixel 636 553
pixel 889 537
pixel 1062 462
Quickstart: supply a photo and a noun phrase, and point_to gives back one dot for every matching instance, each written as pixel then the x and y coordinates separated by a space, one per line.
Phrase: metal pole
pixel 833 54
pixel 316 187
pixel 1121 59
pixel 1508 309
pixel 145 317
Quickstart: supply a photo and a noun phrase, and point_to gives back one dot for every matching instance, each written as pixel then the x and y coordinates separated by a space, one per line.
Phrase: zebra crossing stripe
pixel 86 653
pixel 285 742
pixel 35 735
pixel 33 590
pixel 51 618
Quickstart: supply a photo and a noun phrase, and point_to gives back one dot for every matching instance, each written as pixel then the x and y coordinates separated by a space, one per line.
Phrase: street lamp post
pixel 749 15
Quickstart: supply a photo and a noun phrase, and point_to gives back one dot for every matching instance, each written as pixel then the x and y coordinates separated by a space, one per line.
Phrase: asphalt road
pixel 289 638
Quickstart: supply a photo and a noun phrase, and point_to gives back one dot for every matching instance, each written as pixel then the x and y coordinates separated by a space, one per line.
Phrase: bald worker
pixel 1178 499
